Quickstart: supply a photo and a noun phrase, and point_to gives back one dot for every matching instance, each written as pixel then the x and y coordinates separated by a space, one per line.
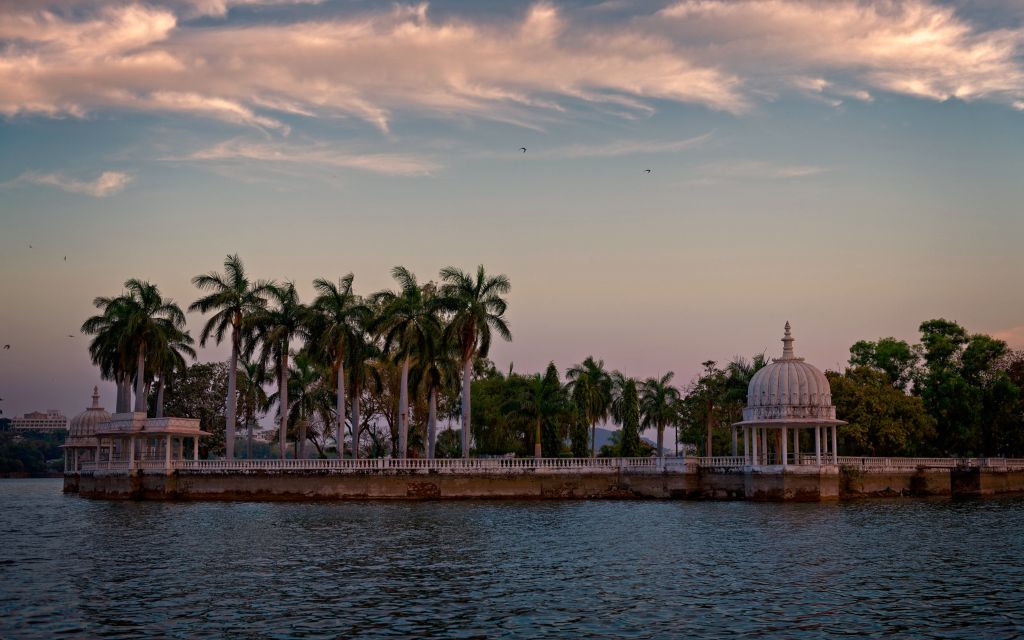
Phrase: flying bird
pixel 70 336
pixel 647 170
pixel 523 149
pixel 65 258
pixel 6 347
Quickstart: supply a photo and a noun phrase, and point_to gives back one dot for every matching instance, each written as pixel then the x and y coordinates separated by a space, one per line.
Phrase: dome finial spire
pixel 787 344
pixel 95 397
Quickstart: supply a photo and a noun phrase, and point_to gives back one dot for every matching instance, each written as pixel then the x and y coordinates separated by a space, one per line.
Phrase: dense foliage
pixel 400 372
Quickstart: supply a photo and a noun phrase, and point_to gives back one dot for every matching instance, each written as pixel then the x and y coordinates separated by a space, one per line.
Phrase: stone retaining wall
pixel 705 484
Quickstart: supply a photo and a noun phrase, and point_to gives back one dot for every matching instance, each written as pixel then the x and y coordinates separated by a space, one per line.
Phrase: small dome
pixel 83 426
pixel 789 389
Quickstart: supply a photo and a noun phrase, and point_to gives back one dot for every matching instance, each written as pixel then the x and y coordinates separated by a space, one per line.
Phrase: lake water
pixel 71 567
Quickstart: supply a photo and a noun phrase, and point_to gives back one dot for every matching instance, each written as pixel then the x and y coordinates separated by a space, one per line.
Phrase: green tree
pixel 199 393
pixel 336 318
pixel 882 419
pixel 168 361
pixel 477 307
pixel 659 406
pixel 252 396
pixel 591 387
pixel 897 359
pixel 626 410
pixel 234 299
pixel 143 323
pixel 274 327
pixel 309 402
pixel 407 323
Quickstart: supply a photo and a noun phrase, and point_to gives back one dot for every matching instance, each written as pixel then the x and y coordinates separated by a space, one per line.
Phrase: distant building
pixel 50 421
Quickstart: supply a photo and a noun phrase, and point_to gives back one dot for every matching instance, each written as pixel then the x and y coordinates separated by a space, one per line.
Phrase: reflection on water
pixel 910 568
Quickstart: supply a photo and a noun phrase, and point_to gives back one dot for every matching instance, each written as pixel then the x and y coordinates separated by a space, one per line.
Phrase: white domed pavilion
pixel 81 445
pixel 784 399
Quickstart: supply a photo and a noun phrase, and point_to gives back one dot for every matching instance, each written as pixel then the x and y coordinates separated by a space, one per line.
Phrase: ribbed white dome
pixel 789 389
pixel 83 426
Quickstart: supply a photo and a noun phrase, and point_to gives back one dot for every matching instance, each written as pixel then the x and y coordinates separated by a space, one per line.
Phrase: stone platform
pixel 602 478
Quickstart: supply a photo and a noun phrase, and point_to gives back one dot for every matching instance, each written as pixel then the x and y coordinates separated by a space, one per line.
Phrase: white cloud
pixel 626 148
pixel 106 184
pixel 382 64
pixel 745 169
pixel 314 155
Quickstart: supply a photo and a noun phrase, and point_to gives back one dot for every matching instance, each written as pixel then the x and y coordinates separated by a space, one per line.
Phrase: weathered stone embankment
pixel 703 484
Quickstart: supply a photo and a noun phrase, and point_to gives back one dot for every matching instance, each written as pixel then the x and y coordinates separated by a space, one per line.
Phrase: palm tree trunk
pixel 140 382
pixel 661 441
pixel 229 410
pixel 355 421
pixel 120 395
pixel 301 443
pixel 431 422
pixel 537 451
pixel 403 411
pixel 340 435
pixel 160 398
pixel 282 393
pixel 593 440
pixel 248 436
pixel 467 370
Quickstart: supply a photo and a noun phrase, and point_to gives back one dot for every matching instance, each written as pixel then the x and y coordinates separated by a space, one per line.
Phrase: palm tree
pixel 591 384
pixel 477 307
pixel 307 398
pixel 274 328
pixel 659 405
pixel 252 377
pixel 138 321
pixel 437 369
pixel 361 350
pixel 235 299
pixel 626 411
pixel 108 350
pixel 408 319
pixel 542 401
pixel 169 360
pixel 335 318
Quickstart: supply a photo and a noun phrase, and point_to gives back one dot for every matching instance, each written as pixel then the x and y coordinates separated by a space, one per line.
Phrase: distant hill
pixel 604 437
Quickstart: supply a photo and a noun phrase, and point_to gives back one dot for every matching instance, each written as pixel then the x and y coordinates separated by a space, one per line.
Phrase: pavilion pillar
pixel 746 445
pixel 796 445
pixel 195 447
pixel 785 447
pixel 817 445
pixel 131 453
pixel 753 445
pixel 167 452
pixel 99 452
pixel 835 444
pixel 734 442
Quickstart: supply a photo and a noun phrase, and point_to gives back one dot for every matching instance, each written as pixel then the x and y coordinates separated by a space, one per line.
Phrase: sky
pixel 854 168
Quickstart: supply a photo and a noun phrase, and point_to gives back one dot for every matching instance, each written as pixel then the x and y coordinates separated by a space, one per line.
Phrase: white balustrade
pixel 541 465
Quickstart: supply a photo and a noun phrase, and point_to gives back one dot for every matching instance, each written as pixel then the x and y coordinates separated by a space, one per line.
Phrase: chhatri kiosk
pixel 789 404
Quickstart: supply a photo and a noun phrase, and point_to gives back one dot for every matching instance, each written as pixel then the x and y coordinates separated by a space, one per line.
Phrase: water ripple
pixel 889 568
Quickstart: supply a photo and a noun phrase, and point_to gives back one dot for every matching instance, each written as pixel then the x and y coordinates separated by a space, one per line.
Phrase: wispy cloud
pixel 380 64
pixel 746 169
pixel 106 184
pixel 317 155
pixel 625 148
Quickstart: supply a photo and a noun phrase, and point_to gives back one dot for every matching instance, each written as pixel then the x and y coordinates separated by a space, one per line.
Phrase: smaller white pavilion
pixel 787 400
pixel 134 441
pixel 124 441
